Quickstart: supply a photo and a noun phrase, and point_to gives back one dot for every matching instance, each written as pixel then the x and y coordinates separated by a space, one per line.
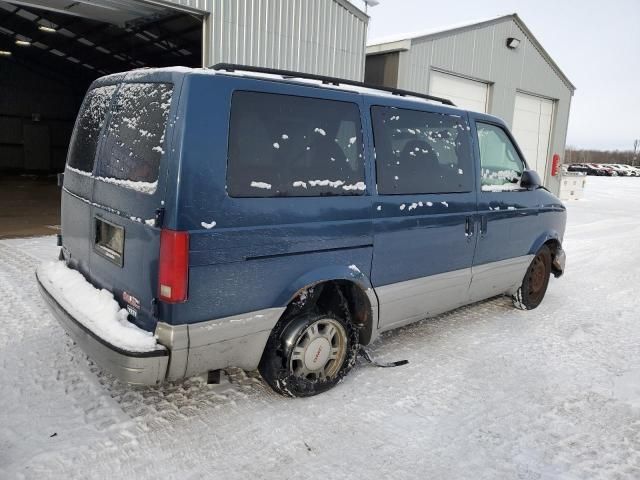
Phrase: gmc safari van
pixel 274 220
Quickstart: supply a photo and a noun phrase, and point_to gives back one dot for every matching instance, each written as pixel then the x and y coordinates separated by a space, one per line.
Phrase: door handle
pixel 483 225
pixel 469 227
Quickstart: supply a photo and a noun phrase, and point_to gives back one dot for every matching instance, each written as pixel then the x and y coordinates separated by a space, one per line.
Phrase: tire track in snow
pixel 43 367
pixel 489 393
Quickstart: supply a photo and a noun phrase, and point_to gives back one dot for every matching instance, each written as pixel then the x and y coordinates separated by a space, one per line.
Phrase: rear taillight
pixel 173 271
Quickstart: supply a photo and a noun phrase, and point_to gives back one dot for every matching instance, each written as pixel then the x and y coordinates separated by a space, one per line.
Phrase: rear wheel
pixel 535 282
pixel 309 353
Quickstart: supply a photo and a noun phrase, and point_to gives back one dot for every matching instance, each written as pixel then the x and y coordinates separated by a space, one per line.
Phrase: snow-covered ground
pixel 490 391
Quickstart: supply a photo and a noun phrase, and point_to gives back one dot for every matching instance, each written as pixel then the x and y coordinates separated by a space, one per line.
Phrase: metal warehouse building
pixel 495 66
pixel 50 51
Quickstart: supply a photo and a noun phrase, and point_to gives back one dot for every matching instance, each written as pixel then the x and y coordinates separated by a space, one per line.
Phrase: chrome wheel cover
pixel 320 351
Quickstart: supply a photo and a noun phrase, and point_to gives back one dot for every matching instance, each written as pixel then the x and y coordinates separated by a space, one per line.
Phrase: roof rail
pixel 231 67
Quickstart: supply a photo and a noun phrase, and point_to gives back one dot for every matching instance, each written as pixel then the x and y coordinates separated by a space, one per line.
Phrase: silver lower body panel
pixel 236 341
pixel 138 368
pixel 406 302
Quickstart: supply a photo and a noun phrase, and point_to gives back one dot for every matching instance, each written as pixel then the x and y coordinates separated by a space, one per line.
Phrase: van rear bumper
pixel 141 368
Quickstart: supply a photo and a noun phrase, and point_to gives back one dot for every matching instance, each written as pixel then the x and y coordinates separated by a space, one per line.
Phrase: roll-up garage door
pixel 532 118
pixel 465 93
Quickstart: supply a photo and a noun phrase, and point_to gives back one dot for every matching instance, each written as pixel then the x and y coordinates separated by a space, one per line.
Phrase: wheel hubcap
pixel 320 350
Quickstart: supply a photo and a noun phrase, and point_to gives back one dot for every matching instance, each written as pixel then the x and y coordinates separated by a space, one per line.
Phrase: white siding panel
pixel 532 119
pixel 465 93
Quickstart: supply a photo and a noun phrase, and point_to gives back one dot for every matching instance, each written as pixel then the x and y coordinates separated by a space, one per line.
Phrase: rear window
pixel 82 149
pixel 282 145
pixel 136 136
pixel 421 152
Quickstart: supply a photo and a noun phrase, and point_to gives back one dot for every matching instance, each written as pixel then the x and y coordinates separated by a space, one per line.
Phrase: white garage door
pixel 465 93
pixel 532 127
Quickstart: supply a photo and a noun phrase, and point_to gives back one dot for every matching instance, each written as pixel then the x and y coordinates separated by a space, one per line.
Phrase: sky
pixel 595 43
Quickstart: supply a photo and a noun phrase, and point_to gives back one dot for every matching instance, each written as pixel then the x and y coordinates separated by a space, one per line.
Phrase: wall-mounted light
pixel 370 3
pixel 44 28
pixel 512 43
pixel 5 53
pixel 23 43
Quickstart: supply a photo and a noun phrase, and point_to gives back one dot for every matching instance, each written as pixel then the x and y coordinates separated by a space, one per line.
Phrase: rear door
pixel 424 212
pixel 128 194
pixel 117 226
pixel 77 192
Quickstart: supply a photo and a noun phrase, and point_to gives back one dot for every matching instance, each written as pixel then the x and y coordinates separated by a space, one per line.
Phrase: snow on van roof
pixel 140 73
pixel 367 90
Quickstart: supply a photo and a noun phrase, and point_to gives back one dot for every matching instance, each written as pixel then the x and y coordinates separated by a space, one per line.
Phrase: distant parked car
pixel 627 170
pixel 601 170
pixel 618 169
pixel 578 167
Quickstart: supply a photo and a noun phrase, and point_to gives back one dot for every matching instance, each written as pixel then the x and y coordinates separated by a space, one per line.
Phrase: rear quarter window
pixel 288 146
pixel 84 142
pixel 136 136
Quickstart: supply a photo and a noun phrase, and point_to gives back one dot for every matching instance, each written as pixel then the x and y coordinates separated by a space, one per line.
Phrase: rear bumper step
pixel 141 368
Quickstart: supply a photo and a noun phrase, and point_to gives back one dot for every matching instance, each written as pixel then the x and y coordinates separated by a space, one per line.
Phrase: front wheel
pixel 309 353
pixel 535 282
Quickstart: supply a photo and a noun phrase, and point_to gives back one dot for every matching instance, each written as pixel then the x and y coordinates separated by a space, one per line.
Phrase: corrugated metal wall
pixel 195 5
pixel 314 36
pixel 481 54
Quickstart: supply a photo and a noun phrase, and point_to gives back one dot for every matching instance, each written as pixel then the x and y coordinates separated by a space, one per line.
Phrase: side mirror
pixel 530 180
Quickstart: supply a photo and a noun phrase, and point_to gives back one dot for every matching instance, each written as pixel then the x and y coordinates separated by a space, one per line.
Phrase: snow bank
pixel 95 309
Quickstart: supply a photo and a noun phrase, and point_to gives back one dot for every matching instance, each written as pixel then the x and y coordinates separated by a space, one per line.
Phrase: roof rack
pixel 232 67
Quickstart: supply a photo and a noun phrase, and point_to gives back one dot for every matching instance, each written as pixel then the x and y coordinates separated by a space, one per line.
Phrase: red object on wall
pixel 555 165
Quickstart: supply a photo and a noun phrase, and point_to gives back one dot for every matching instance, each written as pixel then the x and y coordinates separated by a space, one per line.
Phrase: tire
pixel 309 353
pixel 535 282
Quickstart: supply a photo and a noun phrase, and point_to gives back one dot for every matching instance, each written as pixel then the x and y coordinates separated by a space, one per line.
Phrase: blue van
pixel 268 219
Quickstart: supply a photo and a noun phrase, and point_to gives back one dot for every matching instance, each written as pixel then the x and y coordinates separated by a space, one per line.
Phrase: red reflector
pixel 173 270
pixel 555 165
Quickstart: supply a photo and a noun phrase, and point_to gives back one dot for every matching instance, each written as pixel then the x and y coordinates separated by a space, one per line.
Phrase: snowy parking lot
pixel 489 391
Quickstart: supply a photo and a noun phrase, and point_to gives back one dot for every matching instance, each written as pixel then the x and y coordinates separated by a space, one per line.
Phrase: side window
pixel 421 152
pixel 287 146
pixel 82 149
pixel 501 166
